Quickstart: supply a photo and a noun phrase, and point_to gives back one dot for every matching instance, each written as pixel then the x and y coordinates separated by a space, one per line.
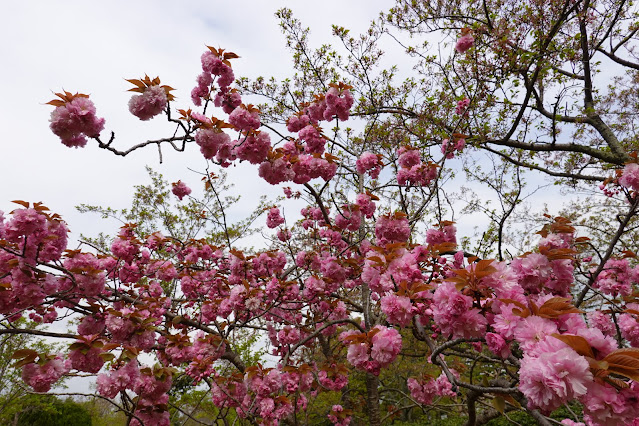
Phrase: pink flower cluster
pixel 301 160
pixel 554 378
pixel 313 138
pixel 630 176
pixel 604 405
pixel 349 217
pixel 602 322
pixel 460 109
pixel 337 101
pixel 617 278
pixel 42 376
pixel 629 326
pixel 366 205
pixel 446 234
pixel 498 345
pixel 86 358
pixel 150 385
pixel 152 412
pixel 214 66
pixel 332 377
pixel 110 384
pixel 273 218
pixel 253 148
pixel 211 140
pixel 149 104
pixel 369 162
pixel 454 314
pixel 75 120
pixel 376 352
pixel 89 277
pixel 261 398
pixel 245 119
pixel 126 328
pixel 337 416
pixel 228 100
pixel 297 168
pixel 449 149
pixel 31 236
pixel 201 355
pixel 180 190
pixel 392 229
pixel 425 389
pixel 40 236
pixel 398 309
pixel 413 171
pixel 535 274
pixel 464 43
pixel 404 268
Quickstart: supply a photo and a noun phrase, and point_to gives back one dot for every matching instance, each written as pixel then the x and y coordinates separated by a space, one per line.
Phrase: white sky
pixel 91 47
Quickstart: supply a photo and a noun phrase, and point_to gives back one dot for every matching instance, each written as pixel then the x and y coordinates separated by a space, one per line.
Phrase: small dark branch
pixel 171 141
pixel 160 152
pixel 450 344
pixel 387 110
pixel 567 147
pixel 541 419
pixel 234 359
pixel 37 333
pixel 317 332
pixel 319 202
pixel 219 202
pixel 623 41
pixel 187 414
pixel 489 23
pixel 568 73
pixel 436 358
pixel 585 59
pixel 576 176
pixel 619 60
pixel 274 130
pixel 539 107
pixel 487 416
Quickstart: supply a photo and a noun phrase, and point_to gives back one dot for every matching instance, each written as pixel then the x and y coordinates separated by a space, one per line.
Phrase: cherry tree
pixel 372 273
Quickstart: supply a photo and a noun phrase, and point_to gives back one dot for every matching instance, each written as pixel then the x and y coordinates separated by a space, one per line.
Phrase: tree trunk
pixel 372 400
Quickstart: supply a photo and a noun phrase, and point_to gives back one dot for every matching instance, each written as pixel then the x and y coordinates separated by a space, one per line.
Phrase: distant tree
pixel 47 410
pixel 12 389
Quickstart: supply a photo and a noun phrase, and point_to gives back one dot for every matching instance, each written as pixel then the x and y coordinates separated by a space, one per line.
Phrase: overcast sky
pixel 91 47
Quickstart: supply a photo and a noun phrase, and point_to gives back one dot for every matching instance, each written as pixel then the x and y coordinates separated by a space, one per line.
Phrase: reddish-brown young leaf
pixel 138 83
pixel 56 103
pixel 23 353
pixel 557 306
pixel 22 203
pixel 443 248
pixel 77 345
pixel 578 343
pixel 107 356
